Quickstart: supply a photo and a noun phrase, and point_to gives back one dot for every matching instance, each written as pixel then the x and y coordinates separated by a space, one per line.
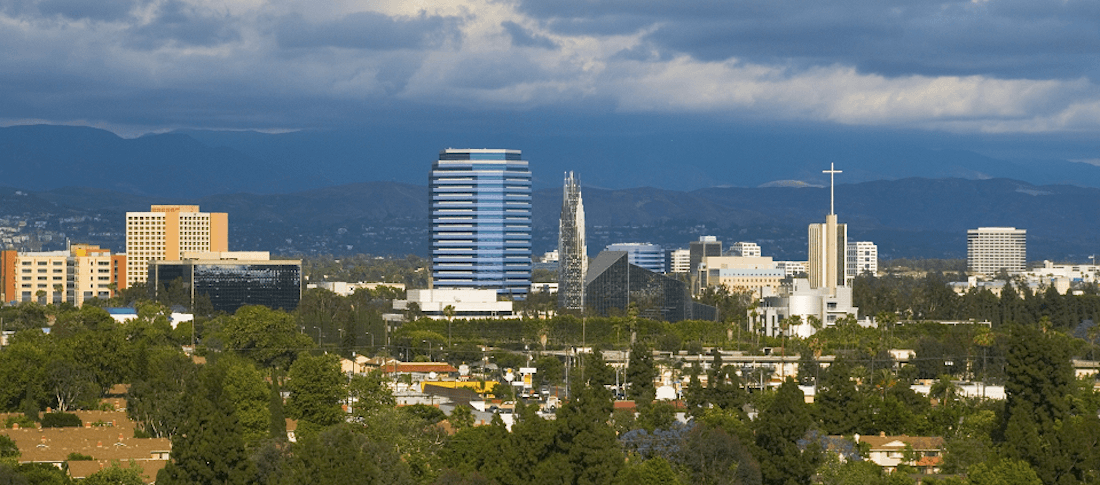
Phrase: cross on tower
pixel 832 171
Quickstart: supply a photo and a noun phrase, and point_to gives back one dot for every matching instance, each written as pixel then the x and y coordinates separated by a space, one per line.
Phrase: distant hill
pixel 911 218
pixel 194 164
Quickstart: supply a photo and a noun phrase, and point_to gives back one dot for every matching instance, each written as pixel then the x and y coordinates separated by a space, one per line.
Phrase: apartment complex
pixel 991 249
pixel 166 232
pixel 481 221
pixel 82 272
pixel 862 258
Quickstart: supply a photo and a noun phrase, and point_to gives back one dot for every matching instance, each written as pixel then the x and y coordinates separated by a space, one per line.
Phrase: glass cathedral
pixel 481 221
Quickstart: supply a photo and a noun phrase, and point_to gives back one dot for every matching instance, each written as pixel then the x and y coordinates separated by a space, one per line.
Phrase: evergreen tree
pixel 316 388
pixel 341 454
pixel 277 425
pixel 209 447
pixel 591 452
pixel 841 408
pixel 640 373
pixel 778 431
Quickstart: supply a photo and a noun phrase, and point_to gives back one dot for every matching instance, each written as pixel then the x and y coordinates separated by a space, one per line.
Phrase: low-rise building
pixel 753 273
pixel 925 453
pixel 440 304
pixel 795 298
pixel 231 279
pixel 344 288
pixel 107 437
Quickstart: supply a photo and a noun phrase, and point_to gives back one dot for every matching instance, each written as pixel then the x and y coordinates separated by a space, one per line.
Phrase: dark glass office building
pixel 231 284
pixel 613 284
pixel 481 221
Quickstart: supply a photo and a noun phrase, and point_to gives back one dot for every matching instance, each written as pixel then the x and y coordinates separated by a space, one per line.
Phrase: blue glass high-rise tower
pixel 481 221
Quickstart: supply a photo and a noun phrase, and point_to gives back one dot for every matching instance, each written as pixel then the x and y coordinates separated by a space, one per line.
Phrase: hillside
pixel 912 218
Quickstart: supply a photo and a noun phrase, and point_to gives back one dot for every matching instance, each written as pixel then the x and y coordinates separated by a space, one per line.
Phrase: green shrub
pixel 74 456
pixel 61 420
pixel 22 420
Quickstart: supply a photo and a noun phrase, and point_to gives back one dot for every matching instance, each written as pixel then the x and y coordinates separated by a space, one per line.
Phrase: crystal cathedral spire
pixel 572 250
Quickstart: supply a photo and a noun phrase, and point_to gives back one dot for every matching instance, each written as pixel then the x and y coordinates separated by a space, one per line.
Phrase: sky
pixel 999 67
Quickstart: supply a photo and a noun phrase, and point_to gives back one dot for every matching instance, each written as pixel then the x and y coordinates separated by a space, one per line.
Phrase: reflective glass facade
pixel 613 284
pixel 233 284
pixel 481 221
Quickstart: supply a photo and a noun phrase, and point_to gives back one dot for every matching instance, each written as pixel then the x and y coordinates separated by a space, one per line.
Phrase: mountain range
pixel 193 164
pixel 911 218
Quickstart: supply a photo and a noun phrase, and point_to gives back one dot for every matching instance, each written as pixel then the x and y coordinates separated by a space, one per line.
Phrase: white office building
pixel 991 249
pixel 745 249
pixel 862 258
pixel 679 261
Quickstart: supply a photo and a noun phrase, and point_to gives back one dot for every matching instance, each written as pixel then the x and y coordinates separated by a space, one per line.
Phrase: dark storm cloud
pixel 1017 38
pixel 176 21
pixel 522 38
pixel 367 30
pixel 102 10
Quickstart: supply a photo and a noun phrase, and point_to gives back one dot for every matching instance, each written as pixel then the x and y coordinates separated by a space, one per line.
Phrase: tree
pixel 116 475
pixel 841 408
pixel 709 455
pixel 1040 380
pixel 316 388
pixel 778 431
pixel 209 447
pixel 268 337
pixel 654 471
pixel 370 392
pixel 640 373
pixel 158 401
pixel 1003 472
pixel 342 454
pixel 246 389
pixel 461 417
pixel 9 451
pixel 591 453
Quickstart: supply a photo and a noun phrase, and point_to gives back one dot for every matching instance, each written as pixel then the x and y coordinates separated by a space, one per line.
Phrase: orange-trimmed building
pixel 166 232
pixel 82 272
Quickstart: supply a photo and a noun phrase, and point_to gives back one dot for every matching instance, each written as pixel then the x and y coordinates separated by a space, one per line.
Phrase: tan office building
pixel 166 232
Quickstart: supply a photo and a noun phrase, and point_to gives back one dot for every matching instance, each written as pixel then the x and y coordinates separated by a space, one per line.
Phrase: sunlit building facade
pixel 166 232
pixel 991 249
pixel 230 280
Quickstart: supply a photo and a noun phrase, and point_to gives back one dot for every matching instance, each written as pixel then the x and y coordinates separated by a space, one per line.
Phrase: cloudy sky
pixel 958 67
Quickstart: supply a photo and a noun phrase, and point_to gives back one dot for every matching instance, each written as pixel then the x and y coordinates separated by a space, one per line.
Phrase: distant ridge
pixel 197 163
pixel 788 183
pixel 911 218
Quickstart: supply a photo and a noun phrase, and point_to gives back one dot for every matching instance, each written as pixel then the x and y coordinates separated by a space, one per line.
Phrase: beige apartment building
pixel 752 273
pixel 166 232
pixel 83 272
